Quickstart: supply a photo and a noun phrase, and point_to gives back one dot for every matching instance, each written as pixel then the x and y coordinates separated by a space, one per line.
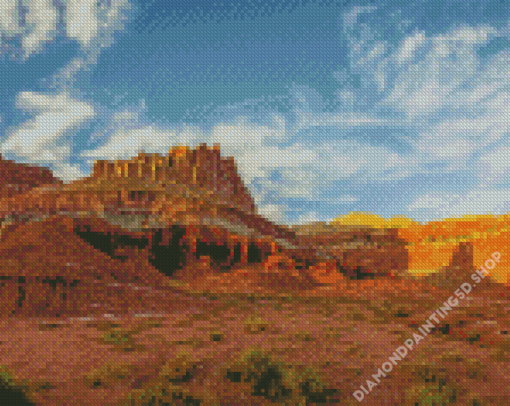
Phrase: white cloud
pixel 247 143
pixel 498 160
pixel 408 48
pixel 60 103
pixel 443 146
pixel 273 212
pixel 97 34
pixel 297 181
pixel 343 120
pixel 45 137
pixel 35 28
pixel 37 138
pixel 494 166
pixel 347 199
pixel 351 18
pixel 124 143
pixel 68 172
pixel 306 169
pixel 450 60
pixel 433 201
pixel 9 21
pixel 42 139
pixel 82 20
pixel 85 21
pixel 349 159
pixel 309 217
pixel 474 202
pixel 278 123
pixel 128 142
pixel 127 134
pixel 41 21
pixel 447 85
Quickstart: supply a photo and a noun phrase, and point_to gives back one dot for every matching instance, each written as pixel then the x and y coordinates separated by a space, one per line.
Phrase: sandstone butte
pixel 185 217
pixel 459 271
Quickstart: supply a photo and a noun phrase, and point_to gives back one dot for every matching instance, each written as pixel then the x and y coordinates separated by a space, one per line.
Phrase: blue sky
pixel 389 107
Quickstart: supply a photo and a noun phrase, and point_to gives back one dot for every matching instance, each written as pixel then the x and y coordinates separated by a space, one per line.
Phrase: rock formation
pixel 458 271
pixel 201 169
pixel 144 219
pixel 462 258
pixel 184 217
pixel 17 178
pixel 358 251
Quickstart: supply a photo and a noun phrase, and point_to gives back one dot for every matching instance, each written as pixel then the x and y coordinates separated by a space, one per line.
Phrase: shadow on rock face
pixel 108 243
pixel 254 254
pixel 357 273
pixel 169 257
pixel 219 254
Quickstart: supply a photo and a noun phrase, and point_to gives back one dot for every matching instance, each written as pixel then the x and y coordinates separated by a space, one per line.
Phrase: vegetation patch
pixel 433 395
pixel 161 395
pixel 11 393
pixel 167 389
pixel 179 369
pixel 109 374
pixel 123 338
pixel 279 382
pixel 431 385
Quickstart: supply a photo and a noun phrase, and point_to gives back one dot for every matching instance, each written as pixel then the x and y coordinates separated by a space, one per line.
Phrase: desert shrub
pixel 179 369
pixel 278 382
pixel 431 386
pixel 434 395
pixel 170 396
pixel 266 378
pixel 11 394
pixel 313 389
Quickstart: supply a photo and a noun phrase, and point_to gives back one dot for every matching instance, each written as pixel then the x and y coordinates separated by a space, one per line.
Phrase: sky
pixel 397 108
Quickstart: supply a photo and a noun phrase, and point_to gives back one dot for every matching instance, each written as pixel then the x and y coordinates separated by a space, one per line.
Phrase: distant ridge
pixel 18 178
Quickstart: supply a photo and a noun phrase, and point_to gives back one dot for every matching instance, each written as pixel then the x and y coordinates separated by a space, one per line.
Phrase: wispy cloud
pixel 37 22
pixel 44 138
pixel 454 205
pixel 56 116
pixel 273 212
pixel 35 27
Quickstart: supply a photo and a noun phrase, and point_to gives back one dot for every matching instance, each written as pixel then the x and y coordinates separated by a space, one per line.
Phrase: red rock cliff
pixel 20 178
pixel 201 168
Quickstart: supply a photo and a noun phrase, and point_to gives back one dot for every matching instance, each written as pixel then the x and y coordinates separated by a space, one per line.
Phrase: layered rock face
pixel 186 217
pixel 358 251
pixel 202 169
pixel 146 184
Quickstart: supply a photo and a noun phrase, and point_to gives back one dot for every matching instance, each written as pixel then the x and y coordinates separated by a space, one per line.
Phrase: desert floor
pixel 224 343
